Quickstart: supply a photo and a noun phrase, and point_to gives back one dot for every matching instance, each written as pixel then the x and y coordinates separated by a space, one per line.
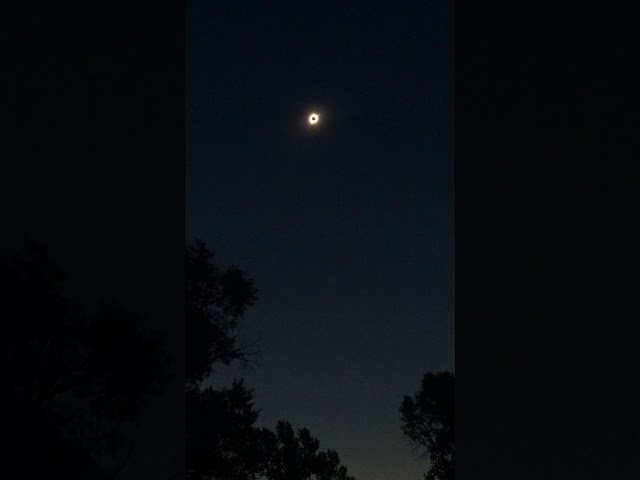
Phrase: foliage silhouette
pixel 292 456
pixel 222 441
pixel 75 380
pixel 215 301
pixel 428 419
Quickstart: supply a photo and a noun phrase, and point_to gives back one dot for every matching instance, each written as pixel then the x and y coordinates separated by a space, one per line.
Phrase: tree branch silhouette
pixel 428 421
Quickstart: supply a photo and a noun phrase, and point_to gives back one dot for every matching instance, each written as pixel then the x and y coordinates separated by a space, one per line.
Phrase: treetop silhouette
pixel 222 440
pixel 428 420
pixel 216 299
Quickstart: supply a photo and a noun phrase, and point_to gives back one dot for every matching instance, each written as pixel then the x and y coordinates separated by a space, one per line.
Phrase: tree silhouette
pixel 292 456
pixel 216 299
pixel 428 419
pixel 222 441
pixel 75 380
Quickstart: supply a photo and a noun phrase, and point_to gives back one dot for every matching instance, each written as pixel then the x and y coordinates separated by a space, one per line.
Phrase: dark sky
pixel 348 228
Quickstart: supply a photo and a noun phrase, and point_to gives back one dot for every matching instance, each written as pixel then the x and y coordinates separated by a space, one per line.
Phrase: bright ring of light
pixel 313 118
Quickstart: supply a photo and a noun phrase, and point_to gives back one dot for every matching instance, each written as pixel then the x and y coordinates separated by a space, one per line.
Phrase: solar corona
pixel 313 118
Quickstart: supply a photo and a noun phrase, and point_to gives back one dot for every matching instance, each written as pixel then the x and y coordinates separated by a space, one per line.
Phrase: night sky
pixel 348 228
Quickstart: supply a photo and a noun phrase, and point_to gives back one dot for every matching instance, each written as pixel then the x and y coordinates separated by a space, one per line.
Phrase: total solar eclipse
pixel 313 118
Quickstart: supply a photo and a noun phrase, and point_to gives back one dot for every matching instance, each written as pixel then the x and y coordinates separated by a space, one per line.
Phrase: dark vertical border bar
pixel 546 240
pixel 93 166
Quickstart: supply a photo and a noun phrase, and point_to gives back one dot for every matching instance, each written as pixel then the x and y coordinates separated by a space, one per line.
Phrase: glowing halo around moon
pixel 313 118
